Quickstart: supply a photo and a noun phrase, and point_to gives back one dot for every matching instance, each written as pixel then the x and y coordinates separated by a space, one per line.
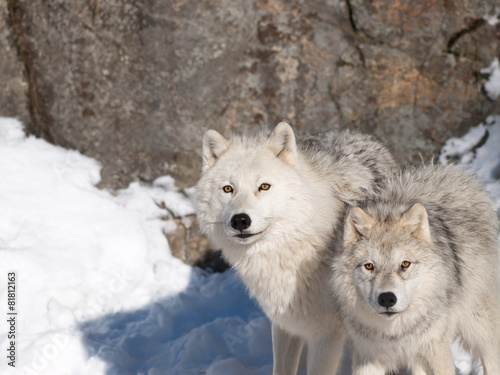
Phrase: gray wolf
pixel 417 270
pixel 270 203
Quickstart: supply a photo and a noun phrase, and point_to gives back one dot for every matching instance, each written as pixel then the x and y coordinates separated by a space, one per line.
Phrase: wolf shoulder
pixel 356 165
pixel 345 145
pixel 452 194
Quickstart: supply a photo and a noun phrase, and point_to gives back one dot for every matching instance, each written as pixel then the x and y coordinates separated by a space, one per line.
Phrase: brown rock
pixel 135 84
pixel 13 85
pixel 187 244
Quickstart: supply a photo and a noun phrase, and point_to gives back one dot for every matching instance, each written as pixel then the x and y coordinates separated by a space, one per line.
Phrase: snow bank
pixel 98 290
pixel 91 265
pixel 479 150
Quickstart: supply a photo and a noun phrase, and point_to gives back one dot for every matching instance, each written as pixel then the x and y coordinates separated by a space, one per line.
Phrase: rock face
pixel 136 83
pixel 13 86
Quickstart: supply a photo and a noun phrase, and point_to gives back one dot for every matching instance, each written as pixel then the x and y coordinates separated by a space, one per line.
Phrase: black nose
pixel 240 222
pixel 387 299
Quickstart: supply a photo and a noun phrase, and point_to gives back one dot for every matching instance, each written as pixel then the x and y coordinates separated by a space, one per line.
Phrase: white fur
pixel 283 259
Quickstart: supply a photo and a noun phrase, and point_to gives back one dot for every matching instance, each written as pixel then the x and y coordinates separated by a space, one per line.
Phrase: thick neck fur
pixel 275 271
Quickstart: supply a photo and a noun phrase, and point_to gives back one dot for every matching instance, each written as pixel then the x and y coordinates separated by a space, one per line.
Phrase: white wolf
pixel 271 205
pixel 419 269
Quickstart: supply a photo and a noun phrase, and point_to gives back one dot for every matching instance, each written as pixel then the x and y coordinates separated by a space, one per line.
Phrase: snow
pixel 479 150
pixel 492 86
pixel 492 18
pixel 98 291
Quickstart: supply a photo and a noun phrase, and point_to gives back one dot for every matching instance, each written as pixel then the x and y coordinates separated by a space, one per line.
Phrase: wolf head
pixel 249 186
pixel 388 269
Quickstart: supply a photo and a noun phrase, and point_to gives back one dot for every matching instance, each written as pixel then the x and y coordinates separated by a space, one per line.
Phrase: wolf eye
pixel 227 189
pixel 264 186
pixel 369 266
pixel 405 264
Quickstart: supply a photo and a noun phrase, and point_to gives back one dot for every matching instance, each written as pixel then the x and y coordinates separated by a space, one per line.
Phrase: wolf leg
pixel 323 355
pixel 490 363
pixel 286 351
pixel 436 358
pixel 481 336
pixel 489 347
pixel 363 367
pixel 490 356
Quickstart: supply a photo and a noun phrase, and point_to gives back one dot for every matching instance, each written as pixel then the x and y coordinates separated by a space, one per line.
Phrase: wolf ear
pixel 214 145
pixel 282 143
pixel 416 221
pixel 357 225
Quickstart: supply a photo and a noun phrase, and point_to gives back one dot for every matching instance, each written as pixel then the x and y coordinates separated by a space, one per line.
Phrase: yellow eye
pixel 405 264
pixel 369 266
pixel 264 187
pixel 227 189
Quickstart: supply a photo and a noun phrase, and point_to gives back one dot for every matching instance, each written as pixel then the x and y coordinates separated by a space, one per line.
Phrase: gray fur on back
pixel 356 164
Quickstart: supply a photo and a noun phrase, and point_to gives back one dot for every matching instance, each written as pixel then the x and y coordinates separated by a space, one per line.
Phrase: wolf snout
pixel 387 299
pixel 241 222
